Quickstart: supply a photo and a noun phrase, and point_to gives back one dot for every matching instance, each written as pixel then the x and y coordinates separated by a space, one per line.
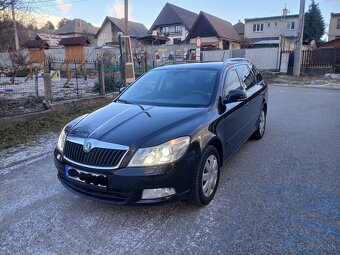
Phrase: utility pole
pixel 15 28
pixel 297 52
pixel 126 15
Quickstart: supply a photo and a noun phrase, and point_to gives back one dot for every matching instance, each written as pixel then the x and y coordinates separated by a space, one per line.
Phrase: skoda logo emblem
pixel 87 146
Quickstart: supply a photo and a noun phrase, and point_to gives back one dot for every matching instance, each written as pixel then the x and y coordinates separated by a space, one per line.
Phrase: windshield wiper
pixel 124 101
pixel 128 102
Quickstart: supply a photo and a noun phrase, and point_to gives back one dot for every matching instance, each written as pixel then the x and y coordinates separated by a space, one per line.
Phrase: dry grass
pixel 26 132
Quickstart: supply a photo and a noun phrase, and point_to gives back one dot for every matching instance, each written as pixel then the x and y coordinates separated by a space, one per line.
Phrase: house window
pixel 275 24
pixel 338 24
pixel 291 25
pixel 268 24
pixel 164 30
pixel 103 36
pixel 258 28
pixel 178 29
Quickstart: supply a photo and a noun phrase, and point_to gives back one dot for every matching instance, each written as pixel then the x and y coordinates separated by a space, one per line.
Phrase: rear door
pixel 254 97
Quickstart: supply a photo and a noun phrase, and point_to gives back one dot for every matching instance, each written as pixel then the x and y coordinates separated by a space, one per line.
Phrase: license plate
pixel 86 177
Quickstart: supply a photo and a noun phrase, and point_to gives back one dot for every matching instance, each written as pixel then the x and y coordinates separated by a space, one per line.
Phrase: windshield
pixel 173 87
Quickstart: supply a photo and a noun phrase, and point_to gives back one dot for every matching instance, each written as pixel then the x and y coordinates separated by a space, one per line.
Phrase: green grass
pixel 26 132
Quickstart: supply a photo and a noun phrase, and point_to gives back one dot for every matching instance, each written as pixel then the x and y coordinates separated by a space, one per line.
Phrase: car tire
pixel 206 177
pixel 261 126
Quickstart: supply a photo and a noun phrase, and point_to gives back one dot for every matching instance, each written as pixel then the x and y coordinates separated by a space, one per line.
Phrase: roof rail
pixel 236 60
pixel 186 62
pixel 179 62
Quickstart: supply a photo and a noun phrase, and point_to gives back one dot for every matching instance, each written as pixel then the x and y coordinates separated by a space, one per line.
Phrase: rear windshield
pixel 173 87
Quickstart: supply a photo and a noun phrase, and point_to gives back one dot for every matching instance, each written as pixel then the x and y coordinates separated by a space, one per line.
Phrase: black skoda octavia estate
pixel 166 136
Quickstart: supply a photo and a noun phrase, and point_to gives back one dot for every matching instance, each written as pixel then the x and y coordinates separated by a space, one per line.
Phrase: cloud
pixel 63 7
pixel 117 9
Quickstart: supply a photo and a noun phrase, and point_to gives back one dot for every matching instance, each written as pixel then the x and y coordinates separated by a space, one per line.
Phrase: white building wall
pixel 107 32
pixel 334 32
pixel 172 34
pixel 269 28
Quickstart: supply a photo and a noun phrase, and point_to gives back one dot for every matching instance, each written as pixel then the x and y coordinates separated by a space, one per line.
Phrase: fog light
pixel 59 157
pixel 158 193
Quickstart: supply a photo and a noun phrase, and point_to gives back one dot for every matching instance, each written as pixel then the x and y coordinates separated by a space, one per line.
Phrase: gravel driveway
pixel 279 195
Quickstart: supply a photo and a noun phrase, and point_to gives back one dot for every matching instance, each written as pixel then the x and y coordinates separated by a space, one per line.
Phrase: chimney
pixel 285 11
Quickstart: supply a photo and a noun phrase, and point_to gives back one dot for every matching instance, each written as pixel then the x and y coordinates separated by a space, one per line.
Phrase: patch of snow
pixel 13 157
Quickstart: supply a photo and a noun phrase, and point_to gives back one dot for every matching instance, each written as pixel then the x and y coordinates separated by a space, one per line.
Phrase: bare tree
pixel 18 61
pixel 4 4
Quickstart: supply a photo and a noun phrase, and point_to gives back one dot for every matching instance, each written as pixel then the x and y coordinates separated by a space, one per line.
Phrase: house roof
pixel 220 27
pixel 330 44
pixel 52 40
pixel 239 27
pixel 172 14
pixel 335 14
pixel 135 29
pixel 267 42
pixel 71 41
pixel 35 44
pixel 77 26
pixel 272 17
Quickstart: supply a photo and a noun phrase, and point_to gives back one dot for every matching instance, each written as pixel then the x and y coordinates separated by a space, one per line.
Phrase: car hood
pixel 129 125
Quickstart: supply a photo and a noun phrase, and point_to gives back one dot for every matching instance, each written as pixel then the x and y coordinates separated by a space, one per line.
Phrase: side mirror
pixel 234 96
pixel 121 90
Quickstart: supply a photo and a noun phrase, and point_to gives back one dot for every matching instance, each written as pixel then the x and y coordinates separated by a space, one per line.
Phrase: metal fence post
pixel 101 77
pixel 47 90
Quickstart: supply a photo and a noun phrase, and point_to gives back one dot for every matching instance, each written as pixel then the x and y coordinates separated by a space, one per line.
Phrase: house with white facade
pixel 334 27
pixel 112 27
pixel 272 31
pixel 173 23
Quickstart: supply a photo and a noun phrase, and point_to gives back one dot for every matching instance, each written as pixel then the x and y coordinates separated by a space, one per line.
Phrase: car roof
pixel 199 65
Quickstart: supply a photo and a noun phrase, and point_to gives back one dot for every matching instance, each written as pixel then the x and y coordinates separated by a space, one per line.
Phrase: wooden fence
pixel 322 58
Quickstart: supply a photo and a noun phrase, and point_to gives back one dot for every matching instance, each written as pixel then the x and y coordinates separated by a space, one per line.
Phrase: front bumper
pixel 125 185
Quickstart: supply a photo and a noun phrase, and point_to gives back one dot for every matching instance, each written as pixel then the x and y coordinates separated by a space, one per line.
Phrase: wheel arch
pixel 216 142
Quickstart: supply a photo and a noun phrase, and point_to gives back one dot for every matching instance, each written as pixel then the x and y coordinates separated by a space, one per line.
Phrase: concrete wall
pixel 334 31
pixel 263 58
pixel 269 28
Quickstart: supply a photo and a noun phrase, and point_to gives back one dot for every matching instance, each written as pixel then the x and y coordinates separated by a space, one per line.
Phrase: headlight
pixel 61 140
pixel 162 154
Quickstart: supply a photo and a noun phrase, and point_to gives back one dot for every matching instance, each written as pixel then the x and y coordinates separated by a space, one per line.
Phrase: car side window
pixel 246 76
pixel 257 74
pixel 231 82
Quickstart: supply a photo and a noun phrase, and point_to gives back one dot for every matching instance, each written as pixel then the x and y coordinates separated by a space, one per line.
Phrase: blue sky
pixel 146 11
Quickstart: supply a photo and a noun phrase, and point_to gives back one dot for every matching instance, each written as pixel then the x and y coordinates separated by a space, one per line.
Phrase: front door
pixel 234 117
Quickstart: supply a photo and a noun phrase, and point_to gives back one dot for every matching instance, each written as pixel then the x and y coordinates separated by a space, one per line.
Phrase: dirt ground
pixel 327 80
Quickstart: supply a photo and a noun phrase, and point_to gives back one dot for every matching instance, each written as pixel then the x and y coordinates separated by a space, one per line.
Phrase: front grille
pixel 97 157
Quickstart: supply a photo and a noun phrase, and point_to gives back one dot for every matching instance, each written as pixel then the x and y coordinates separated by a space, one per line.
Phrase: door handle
pixel 246 104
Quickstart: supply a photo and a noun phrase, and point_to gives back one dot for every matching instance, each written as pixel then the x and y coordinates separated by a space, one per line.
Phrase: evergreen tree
pixel 49 25
pixel 63 22
pixel 314 27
